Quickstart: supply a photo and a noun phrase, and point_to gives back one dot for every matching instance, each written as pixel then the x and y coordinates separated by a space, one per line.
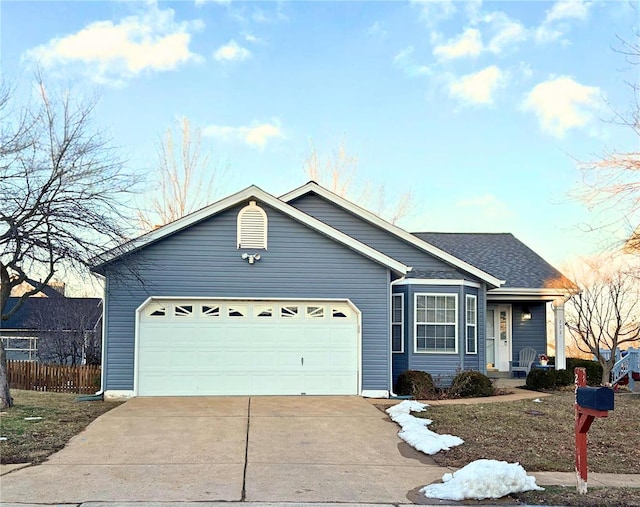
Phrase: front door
pixel 498 337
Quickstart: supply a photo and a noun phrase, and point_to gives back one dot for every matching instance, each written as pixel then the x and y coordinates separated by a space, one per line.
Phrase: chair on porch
pixel 526 357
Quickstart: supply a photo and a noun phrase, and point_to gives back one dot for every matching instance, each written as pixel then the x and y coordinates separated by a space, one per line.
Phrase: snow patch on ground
pixel 414 429
pixel 481 479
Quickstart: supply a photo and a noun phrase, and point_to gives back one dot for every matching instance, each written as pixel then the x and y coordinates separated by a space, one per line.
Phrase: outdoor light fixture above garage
pixel 251 257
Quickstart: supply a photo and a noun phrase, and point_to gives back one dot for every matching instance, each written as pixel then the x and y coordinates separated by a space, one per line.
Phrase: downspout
pixel 103 352
pixel 99 395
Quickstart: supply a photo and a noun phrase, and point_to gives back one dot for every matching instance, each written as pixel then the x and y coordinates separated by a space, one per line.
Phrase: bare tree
pixel 604 310
pixel 188 178
pixel 69 330
pixel 62 188
pixel 338 172
pixel 612 182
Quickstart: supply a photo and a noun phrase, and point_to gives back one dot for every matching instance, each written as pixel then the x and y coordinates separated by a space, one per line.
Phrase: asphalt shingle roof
pixel 500 254
pixel 52 313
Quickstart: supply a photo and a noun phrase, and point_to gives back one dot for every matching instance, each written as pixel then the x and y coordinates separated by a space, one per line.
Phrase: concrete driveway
pixel 258 449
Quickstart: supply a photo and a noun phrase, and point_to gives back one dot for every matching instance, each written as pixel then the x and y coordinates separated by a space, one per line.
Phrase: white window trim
pixel 393 323
pixel 415 323
pixel 468 325
pixel 252 206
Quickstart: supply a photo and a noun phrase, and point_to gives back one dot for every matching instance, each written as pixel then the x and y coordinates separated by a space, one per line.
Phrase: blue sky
pixel 481 108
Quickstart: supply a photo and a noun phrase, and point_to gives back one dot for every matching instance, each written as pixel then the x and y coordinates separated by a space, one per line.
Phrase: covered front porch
pixel 523 320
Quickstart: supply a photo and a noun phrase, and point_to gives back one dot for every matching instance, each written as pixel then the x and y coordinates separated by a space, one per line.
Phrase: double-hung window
pixel 472 324
pixel 436 323
pixel 397 311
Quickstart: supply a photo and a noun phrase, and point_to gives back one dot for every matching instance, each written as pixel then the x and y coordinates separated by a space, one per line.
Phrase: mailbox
pixel 597 398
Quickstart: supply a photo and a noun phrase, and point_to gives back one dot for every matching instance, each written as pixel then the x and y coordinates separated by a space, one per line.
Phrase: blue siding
pixel 470 361
pixel 373 236
pixel 203 261
pixel 401 361
pixel 529 333
pixel 482 329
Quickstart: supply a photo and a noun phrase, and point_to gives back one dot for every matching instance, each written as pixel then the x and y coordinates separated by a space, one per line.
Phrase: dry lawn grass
pixel 34 440
pixel 540 435
pixel 596 497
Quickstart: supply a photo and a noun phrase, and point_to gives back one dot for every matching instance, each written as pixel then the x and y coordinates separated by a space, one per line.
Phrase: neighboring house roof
pixel 52 290
pixel 374 219
pixel 235 199
pixel 52 313
pixel 504 256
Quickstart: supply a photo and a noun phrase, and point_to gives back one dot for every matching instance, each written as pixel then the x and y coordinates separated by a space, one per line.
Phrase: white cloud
pixel 377 30
pixel 478 88
pixel 468 43
pixel 561 104
pixel 545 33
pixel 556 21
pixel 256 135
pixel 505 31
pixel 568 9
pixel 404 61
pixel 114 52
pixel 434 11
pixel 231 51
pixel 249 37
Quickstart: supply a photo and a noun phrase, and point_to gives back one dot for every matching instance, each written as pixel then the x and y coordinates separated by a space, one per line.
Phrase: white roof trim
pixel 393 229
pixel 435 281
pixel 526 293
pixel 261 195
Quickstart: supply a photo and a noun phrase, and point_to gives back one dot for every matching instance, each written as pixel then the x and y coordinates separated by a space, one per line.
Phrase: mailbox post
pixel 591 402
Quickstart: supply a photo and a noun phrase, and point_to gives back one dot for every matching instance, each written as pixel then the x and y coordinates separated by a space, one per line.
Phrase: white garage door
pixel 198 347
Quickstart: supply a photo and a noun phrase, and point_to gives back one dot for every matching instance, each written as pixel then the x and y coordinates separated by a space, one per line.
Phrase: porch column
pixel 561 357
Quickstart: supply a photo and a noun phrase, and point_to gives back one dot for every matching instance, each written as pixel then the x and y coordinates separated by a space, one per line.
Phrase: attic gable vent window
pixel 252 227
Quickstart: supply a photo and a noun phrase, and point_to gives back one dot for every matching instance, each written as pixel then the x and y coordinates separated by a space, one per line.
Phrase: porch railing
pixel 627 365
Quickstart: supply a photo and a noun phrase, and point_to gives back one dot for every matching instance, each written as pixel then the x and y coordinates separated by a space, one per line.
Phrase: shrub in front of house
pixel 418 384
pixel 594 370
pixel 564 378
pixel 541 379
pixel 471 384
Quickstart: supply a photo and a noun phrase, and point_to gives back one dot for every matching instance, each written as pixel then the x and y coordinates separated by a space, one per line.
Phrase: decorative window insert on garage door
pixel 247 347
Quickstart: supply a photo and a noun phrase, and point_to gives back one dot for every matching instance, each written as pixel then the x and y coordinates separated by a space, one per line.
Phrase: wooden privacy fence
pixel 56 378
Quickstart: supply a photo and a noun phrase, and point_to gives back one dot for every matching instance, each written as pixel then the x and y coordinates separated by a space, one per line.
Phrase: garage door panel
pixel 282 383
pixel 319 383
pixel 158 384
pixel 298 349
pixel 210 361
